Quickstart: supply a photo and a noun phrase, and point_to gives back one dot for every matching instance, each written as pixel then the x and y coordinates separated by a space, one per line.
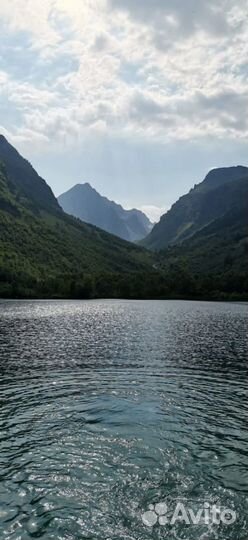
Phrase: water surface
pixel 108 407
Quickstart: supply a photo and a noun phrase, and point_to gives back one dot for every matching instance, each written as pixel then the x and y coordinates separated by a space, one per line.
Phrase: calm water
pixel 108 407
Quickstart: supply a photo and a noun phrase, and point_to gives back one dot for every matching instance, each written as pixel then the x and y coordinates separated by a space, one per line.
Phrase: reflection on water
pixel 109 406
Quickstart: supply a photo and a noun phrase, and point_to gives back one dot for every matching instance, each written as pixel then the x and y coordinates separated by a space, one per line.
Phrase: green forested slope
pixel 48 254
pixel 214 262
pixel 25 179
pixel 42 251
pixel 206 202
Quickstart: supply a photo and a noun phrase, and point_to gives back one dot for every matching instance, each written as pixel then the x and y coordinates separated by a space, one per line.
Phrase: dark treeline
pixel 178 283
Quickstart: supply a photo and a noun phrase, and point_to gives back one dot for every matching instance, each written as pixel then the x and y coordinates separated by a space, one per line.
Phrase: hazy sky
pixel 139 97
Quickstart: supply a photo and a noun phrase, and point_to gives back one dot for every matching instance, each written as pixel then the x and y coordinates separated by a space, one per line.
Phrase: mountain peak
pixel 4 143
pixel 233 169
pixel 87 184
pixel 25 178
pixel 210 200
pixel 85 203
pixel 222 175
pixel 80 185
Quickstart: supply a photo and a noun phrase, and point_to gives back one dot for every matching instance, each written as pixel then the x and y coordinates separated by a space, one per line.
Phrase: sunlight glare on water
pixel 108 407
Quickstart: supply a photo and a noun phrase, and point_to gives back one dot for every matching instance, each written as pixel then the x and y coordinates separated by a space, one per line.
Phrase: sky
pixel 141 98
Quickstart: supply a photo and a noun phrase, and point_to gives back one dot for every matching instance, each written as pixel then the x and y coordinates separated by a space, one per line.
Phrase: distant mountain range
pixel 199 249
pixel 84 202
pixel 44 251
pixel 220 192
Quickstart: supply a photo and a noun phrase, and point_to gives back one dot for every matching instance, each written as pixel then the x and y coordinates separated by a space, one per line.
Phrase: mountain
pixel 45 252
pixel 206 202
pixel 25 179
pixel 213 263
pixel 221 246
pixel 84 202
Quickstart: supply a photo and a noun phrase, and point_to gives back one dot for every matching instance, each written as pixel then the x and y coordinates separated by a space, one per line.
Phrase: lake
pixel 115 415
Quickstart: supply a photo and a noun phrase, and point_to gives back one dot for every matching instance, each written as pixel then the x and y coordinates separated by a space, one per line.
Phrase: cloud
pixel 174 19
pixel 161 69
pixel 224 113
pixel 153 212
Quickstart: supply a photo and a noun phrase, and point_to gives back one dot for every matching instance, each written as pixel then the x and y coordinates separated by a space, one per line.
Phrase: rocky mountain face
pixel 221 191
pixel 84 202
pixel 25 179
pixel 44 251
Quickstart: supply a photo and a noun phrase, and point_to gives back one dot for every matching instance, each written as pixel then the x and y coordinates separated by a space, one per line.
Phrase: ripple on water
pixel 111 408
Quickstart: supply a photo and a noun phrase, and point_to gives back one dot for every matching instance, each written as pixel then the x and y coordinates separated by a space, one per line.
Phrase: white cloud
pixel 161 69
pixel 153 212
pixel 174 17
